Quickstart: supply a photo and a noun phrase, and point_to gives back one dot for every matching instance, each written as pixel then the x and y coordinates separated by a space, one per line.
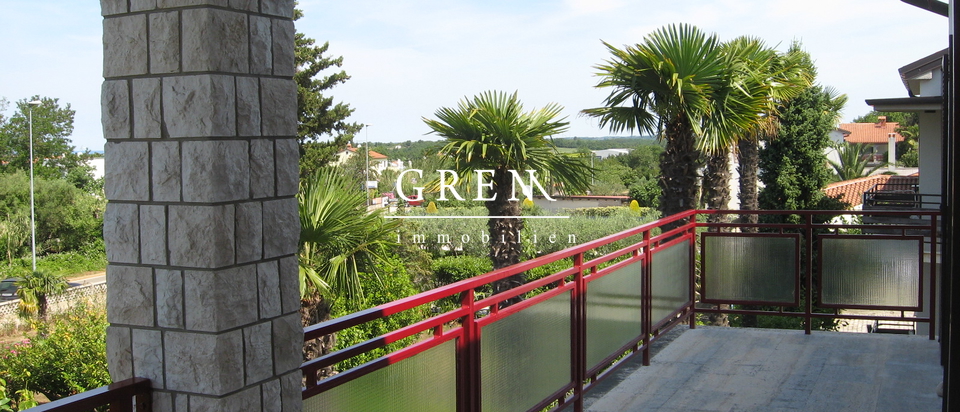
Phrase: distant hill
pixel 606 142
pixel 419 149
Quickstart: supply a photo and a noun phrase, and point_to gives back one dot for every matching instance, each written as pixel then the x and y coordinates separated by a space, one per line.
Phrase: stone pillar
pixel 201 226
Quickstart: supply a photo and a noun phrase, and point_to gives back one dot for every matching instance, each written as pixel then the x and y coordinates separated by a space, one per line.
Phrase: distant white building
pixel 97 164
pixel 603 154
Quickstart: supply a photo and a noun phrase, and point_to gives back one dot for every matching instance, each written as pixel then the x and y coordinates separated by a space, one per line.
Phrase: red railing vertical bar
pixel 693 273
pixel 646 296
pixel 934 258
pixel 579 333
pixel 468 354
pixel 808 306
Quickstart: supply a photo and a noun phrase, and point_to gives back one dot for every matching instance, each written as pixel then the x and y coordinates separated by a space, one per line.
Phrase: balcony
pixel 618 296
pixel 614 329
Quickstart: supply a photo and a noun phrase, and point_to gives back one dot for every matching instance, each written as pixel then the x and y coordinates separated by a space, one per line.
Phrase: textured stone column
pixel 201 227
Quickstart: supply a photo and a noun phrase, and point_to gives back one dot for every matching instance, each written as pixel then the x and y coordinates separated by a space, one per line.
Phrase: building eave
pixel 907 104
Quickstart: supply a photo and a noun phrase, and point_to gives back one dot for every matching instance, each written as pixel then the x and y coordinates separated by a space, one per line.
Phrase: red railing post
pixel 693 274
pixel 579 332
pixel 468 352
pixel 933 276
pixel 808 307
pixel 646 297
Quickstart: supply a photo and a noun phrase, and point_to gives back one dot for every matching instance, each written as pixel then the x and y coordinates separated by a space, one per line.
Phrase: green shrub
pixel 62 359
pixel 91 257
pixel 453 269
pixel 393 284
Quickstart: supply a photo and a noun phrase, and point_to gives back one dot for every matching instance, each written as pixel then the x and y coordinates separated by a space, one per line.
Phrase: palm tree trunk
pixel 315 309
pixel 716 183
pixel 749 159
pixel 42 307
pixel 505 247
pixel 679 165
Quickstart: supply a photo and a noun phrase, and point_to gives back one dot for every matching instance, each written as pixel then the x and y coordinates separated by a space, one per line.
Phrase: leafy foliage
pixel 68 218
pixel 66 358
pixel 33 291
pixel 394 284
pixel 452 269
pixel 89 258
pixel 853 163
pixel 681 86
pixel 317 114
pixel 793 166
pixel 52 126
pixel 339 239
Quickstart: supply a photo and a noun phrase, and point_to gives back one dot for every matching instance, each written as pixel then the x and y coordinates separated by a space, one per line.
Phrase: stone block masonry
pixel 199 115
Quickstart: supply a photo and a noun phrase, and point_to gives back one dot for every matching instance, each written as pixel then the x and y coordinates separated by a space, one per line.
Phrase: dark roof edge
pixel 927 63
pixel 906 101
pixel 934 6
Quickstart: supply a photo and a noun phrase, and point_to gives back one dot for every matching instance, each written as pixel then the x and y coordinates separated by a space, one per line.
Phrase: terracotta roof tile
pixel 872 133
pixel 851 191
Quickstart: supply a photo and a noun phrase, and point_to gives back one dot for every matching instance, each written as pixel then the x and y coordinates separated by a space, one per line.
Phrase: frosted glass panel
pixel 741 268
pixel 613 312
pixel 426 382
pixel 670 280
pixel 526 357
pixel 873 272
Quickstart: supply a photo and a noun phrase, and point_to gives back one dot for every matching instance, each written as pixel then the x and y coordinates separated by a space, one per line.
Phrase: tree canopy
pixel 319 117
pixel 793 166
pixel 52 150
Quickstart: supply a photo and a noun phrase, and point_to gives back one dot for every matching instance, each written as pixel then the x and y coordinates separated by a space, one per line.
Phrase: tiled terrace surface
pixel 727 369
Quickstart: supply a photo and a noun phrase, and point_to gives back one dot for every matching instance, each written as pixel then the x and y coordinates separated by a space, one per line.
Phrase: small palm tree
pixel 853 161
pixel 33 291
pixel 492 132
pixel 339 238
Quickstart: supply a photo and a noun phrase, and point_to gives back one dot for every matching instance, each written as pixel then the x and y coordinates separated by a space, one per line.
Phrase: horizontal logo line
pixel 477 217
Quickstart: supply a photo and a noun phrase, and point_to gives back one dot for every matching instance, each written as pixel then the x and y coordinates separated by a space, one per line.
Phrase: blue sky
pixel 410 57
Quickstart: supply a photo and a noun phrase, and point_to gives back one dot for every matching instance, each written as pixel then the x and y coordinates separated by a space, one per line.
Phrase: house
pixel 378 161
pixel 923 81
pixel 881 137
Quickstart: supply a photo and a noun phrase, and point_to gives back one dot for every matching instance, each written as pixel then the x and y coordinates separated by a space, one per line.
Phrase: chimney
pixel 882 120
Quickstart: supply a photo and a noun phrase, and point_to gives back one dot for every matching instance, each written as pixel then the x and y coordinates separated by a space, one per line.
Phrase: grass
pixel 65 263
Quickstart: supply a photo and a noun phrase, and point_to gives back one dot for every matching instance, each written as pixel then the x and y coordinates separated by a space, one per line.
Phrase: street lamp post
pixel 366 170
pixel 33 218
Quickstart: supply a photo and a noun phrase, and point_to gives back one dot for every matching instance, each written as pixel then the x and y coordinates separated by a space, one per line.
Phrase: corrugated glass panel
pixel 525 357
pixel 425 382
pixel 613 312
pixel 872 272
pixel 670 283
pixel 742 268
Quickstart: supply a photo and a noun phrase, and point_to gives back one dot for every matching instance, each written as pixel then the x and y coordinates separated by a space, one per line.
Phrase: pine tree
pixel 317 114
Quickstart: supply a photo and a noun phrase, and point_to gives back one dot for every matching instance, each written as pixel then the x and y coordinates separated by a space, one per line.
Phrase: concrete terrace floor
pixel 739 369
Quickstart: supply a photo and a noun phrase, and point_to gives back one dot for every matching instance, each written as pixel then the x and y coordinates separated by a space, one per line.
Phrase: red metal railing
pixel 635 248
pixel 131 395
pixel 923 231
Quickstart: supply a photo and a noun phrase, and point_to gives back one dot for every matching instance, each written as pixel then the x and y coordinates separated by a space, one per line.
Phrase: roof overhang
pixel 934 6
pixel 922 69
pixel 907 104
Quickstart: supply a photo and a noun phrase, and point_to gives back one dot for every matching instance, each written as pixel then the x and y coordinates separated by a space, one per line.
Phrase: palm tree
pixel 33 291
pixel 339 239
pixel 492 132
pixel 788 75
pixel 853 161
pixel 670 85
